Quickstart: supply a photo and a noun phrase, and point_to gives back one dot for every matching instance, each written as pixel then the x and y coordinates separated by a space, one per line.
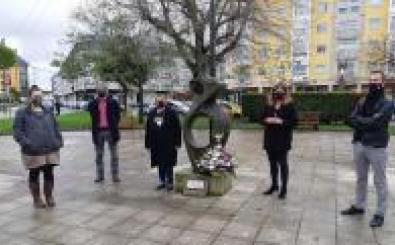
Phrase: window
pixel 376 2
pixel 355 9
pixel 320 68
pixel 321 49
pixel 323 7
pixel 374 23
pixel 321 28
pixel 282 12
pixel 342 10
pixel 264 53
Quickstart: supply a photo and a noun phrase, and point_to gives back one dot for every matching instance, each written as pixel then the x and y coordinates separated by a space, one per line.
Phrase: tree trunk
pixel 125 97
pixel 140 98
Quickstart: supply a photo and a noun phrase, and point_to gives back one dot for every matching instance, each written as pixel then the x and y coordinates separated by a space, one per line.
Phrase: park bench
pixel 309 119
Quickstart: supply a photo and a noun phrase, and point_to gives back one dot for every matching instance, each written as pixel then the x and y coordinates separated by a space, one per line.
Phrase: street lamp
pixel 342 69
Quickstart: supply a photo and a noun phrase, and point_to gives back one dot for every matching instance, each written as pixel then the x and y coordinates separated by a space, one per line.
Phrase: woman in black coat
pixel 279 119
pixel 163 138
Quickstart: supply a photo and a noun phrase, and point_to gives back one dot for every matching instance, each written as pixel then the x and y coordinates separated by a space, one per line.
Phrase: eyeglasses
pixel 375 80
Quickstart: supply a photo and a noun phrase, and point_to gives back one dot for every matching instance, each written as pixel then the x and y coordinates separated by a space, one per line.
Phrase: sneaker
pixel 377 221
pixel 160 187
pixel 116 180
pixel 270 190
pixel 353 211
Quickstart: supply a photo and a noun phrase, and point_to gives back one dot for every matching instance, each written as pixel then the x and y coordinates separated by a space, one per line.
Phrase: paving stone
pixel 322 182
pixel 193 238
pixel 239 230
pixel 161 234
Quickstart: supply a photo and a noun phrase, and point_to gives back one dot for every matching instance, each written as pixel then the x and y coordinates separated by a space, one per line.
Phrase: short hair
pixel 378 72
pixel 102 86
pixel 34 88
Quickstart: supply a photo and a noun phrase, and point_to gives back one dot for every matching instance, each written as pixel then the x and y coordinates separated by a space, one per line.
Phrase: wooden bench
pixel 309 119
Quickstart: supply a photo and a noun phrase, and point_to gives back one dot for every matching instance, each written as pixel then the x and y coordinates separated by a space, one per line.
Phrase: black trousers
pixel 166 173
pixel 279 161
pixel 34 174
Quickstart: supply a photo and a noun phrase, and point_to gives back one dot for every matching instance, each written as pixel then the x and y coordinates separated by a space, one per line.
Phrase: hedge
pixel 333 107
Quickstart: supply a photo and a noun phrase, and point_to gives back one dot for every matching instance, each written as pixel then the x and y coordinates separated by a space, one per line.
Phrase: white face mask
pixel 159 121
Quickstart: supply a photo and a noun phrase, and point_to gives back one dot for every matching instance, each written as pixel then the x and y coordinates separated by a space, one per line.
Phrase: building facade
pixel 331 42
pixel 16 78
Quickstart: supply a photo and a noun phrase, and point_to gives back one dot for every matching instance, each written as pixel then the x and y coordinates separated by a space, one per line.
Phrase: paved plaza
pixel 321 184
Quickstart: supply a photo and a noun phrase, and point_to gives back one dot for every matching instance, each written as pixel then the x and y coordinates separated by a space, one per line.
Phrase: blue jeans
pixel 102 138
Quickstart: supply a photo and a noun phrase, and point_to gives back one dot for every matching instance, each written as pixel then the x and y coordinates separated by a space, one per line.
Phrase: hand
pixel 270 120
pixel 274 120
pixel 278 121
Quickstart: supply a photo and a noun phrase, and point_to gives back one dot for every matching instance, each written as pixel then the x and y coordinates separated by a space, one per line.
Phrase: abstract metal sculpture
pixel 205 94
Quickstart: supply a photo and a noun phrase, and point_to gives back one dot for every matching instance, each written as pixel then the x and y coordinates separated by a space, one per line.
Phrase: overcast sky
pixel 34 28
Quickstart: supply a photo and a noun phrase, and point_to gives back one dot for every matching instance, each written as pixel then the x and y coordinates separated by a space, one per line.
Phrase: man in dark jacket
pixel 105 115
pixel 163 138
pixel 370 120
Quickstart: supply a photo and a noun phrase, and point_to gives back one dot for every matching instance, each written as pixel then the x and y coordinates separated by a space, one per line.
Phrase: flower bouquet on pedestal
pixel 217 159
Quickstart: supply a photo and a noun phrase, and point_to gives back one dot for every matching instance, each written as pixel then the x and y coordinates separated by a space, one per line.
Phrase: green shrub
pixel 252 106
pixel 333 107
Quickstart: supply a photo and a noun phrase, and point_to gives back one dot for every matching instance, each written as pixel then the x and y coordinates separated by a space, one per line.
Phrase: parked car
pixel 82 105
pixel 48 104
pixel 179 106
pixel 234 109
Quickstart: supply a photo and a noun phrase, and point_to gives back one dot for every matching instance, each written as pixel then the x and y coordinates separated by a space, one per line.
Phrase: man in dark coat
pixel 105 114
pixel 370 120
pixel 163 138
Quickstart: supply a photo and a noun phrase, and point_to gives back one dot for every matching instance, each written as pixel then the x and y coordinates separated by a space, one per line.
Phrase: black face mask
pixel 37 101
pixel 161 104
pixel 376 89
pixel 102 94
pixel 278 96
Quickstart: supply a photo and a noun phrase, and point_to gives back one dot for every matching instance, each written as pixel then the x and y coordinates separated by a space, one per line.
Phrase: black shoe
pixel 270 190
pixel 99 180
pixel 353 211
pixel 116 179
pixel 160 187
pixel 170 187
pixel 377 221
pixel 282 195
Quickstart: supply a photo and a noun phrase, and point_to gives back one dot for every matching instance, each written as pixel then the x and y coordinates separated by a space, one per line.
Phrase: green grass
pixel 5 126
pixel 74 121
pixel 71 121
pixel 82 121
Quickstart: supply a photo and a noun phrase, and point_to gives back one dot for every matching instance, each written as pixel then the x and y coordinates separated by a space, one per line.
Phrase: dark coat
pixel 164 140
pixel 279 137
pixel 37 134
pixel 113 115
pixel 371 128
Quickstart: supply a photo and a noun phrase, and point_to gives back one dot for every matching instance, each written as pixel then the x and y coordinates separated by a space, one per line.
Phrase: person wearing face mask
pixel 279 118
pixel 37 132
pixel 105 114
pixel 370 119
pixel 162 139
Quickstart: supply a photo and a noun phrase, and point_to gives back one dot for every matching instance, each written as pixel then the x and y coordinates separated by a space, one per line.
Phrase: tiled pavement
pixel 322 183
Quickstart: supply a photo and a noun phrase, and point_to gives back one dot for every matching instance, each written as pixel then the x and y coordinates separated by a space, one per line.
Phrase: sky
pixel 35 28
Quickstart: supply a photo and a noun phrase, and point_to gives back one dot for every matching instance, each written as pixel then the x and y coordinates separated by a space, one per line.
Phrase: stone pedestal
pixel 189 183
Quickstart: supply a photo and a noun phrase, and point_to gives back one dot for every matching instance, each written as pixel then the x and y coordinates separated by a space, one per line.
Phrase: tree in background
pixel 381 55
pixel 113 46
pixel 204 32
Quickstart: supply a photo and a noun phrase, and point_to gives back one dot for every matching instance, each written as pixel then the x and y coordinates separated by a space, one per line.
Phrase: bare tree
pixel 205 31
pixel 381 55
